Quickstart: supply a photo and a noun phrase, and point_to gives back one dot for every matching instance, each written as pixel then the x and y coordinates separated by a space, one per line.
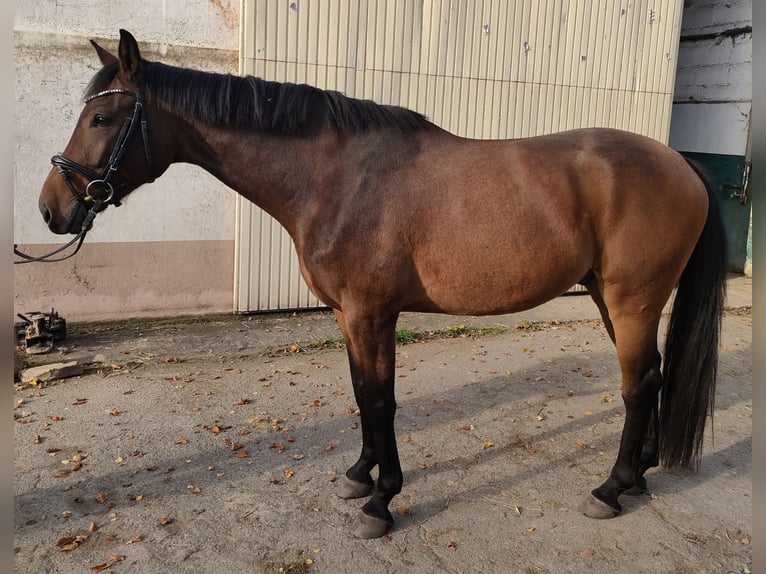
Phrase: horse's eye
pixel 101 121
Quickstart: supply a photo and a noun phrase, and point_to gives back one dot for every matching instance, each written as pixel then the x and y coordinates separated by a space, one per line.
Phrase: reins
pixel 89 200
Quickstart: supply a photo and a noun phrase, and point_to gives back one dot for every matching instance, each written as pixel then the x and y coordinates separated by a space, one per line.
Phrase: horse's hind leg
pixel 635 336
pixel 371 349
pixel 649 456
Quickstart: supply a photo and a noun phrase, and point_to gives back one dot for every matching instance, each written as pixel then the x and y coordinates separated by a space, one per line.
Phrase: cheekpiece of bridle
pixel 99 193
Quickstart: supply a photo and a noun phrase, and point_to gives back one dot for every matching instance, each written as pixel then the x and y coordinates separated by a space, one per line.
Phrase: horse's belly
pixel 493 291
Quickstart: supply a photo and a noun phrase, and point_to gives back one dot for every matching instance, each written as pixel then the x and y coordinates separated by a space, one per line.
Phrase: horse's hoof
pixel 595 508
pixel 348 488
pixel 366 526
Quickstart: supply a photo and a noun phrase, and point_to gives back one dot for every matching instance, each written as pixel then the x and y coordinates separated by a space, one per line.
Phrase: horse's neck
pixel 277 173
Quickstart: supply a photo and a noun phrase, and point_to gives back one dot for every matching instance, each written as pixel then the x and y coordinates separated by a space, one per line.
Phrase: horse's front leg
pixel 371 349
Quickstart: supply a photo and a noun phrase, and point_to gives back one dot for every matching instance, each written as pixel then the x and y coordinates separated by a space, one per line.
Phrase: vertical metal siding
pixel 478 68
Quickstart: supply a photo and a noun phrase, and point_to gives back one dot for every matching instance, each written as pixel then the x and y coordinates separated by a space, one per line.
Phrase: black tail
pixel 691 346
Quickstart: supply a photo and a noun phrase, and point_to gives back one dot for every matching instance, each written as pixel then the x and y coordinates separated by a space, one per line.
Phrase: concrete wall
pixel 713 91
pixel 170 248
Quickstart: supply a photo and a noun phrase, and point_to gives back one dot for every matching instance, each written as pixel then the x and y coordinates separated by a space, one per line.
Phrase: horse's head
pixel 109 154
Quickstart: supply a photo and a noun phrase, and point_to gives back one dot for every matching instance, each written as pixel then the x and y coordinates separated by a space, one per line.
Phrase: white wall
pixel 200 23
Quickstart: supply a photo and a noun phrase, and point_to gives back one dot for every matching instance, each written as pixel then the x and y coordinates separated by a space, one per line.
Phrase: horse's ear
pixel 130 57
pixel 105 57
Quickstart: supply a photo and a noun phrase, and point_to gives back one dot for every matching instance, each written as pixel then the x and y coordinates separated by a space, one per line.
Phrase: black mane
pixel 253 103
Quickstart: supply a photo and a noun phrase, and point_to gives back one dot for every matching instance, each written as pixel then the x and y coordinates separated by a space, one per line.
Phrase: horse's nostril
pixel 46 213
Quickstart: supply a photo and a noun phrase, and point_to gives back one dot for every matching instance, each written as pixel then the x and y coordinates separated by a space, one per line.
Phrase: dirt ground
pixel 214 444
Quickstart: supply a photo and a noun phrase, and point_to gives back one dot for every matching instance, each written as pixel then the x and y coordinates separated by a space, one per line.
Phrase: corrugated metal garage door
pixel 479 68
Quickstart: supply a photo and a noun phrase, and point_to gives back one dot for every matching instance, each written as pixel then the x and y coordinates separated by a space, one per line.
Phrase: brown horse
pixel 390 213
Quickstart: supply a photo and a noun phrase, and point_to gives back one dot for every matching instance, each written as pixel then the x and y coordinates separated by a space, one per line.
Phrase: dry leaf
pixel 99 567
pixel 102 497
pixel 92 527
pixel 114 412
pixel 55 418
pixel 467 427
pixel 69 543
pixel 182 441
pixel 488 444
pixel 329 447
pixel 165 520
pixel 241 454
pixel 80 401
pixel 288 473
pixel 585 553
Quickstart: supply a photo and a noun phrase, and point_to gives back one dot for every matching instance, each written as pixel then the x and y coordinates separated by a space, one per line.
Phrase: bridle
pixel 90 200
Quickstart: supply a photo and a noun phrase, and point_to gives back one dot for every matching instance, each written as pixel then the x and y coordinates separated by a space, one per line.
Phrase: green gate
pixel 731 174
